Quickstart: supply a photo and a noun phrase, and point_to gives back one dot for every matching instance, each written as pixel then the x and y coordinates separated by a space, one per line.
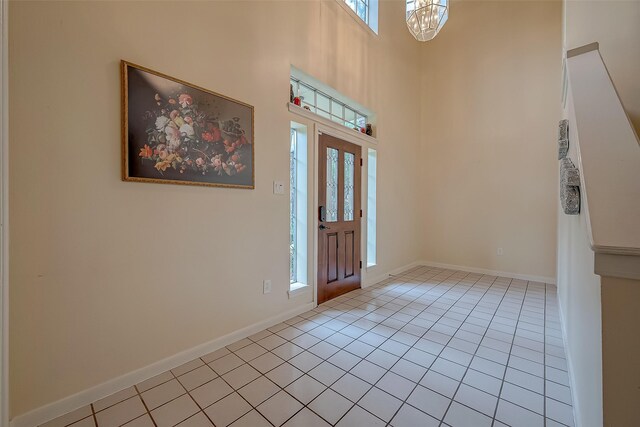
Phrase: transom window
pixel 326 106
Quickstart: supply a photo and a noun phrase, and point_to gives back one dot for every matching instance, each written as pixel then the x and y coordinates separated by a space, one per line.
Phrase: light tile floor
pixel 429 347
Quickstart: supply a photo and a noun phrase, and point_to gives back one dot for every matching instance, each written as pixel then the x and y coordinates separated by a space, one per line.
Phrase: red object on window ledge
pixel 363 130
pixel 296 101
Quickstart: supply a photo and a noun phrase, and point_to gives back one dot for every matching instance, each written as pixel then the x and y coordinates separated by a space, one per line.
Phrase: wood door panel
pixel 349 254
pixel 332 257
pixel 339 263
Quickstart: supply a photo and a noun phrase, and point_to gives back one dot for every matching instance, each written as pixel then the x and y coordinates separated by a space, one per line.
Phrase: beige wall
pixel 491 104
pixel 108 276
pixel 613 24
pixel 621 351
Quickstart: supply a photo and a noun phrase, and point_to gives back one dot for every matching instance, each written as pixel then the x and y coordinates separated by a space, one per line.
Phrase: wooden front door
pixel 339 217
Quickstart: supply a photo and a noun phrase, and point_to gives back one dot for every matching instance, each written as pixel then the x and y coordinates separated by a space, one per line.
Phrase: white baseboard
pixel 53 410
pixel 532 278
pixel 369 281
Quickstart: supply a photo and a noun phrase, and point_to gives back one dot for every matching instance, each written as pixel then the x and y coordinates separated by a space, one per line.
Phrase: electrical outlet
pixel 266 287
pixel 500 252
pixel 278 187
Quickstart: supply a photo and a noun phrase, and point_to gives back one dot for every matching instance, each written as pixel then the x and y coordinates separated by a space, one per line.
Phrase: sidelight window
pixel 298 205
pixel 372 170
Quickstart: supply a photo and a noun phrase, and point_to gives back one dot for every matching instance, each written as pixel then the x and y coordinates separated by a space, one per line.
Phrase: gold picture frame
pixel 174 132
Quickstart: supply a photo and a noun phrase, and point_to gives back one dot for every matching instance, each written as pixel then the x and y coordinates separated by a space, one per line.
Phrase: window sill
pixel 296 289
pixel 329 123
pixel 371 265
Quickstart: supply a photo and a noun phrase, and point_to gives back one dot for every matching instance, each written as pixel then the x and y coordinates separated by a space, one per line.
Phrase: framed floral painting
pixel 178 133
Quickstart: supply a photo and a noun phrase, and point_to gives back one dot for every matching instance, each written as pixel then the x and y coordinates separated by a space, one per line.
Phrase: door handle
pixel 323 227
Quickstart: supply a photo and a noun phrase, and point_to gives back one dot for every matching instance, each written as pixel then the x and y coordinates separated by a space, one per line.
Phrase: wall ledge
pixel 298 289
pixel 329 123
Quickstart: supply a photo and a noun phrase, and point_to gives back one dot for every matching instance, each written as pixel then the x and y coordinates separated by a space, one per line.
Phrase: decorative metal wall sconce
pixel 569 174
pixel 563 139
pixel 569 187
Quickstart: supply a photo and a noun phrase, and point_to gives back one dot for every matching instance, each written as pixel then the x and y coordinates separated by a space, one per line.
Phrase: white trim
pixel 371 241
pixel 529 277
pixel 572 380
pixel 53 410
pixel 321 125
pixel 313 229
pixel 375 279
pixel 356 139
pixel 301 207
pixel 4 215
pixel 318 125
pixel 343 130
pixel 297 289
pixel 370 281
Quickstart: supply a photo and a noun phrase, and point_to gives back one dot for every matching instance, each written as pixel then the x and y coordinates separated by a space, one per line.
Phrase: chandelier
pixel 425 18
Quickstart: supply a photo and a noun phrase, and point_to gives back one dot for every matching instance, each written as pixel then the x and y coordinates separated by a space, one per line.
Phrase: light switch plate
pixel 278 187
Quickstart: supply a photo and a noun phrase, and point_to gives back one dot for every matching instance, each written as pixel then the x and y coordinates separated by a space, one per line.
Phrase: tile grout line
pixel 406 304
pixel 145 407
pixel 219 400
pixel 495 413
pixel 436 356
pixel 409 348
pixel 396 298
pixel 397 330
pixel 544 358
pixel 323 360
pixel 93 413
pixel 506 291
pixel 363 358
pixel 387 339
pixel 503 380
pixel 445 346
pixel 201 409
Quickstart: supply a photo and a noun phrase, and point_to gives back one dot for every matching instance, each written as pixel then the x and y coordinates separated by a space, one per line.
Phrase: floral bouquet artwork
pixel 178 133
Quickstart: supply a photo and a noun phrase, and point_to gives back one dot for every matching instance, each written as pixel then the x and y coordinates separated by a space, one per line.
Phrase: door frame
pixel 325 141
pixel 345 135
pixel 4 214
